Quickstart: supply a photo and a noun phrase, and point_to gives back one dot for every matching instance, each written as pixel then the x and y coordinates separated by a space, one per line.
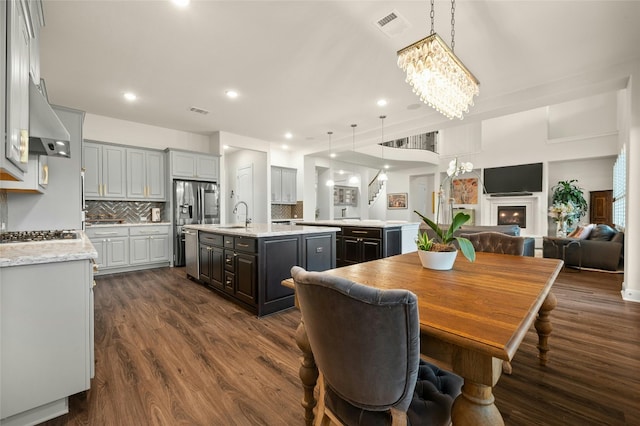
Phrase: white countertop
pixel 30 253
pixel 258 230
pixel 110 225
pixel 365 223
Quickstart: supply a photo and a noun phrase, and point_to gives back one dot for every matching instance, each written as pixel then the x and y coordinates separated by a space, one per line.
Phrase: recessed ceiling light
pixel 288 135
pixel 386 166
pixel 225 146
pixel 231 94
pixel 181 3
pixel 130 96
pixel 341 172
pixel 332 155
pixel 382 102
pixel 284 146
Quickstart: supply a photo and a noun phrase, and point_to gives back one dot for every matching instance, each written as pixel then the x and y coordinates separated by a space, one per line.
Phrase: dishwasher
pixel 191 252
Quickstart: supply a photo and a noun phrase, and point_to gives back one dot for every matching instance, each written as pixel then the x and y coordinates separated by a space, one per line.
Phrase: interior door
pixel 244 188
pixel 601 207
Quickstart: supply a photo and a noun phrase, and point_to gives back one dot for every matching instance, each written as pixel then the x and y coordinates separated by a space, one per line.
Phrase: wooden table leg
pixel 475 407
pixel 544 328
pixel 308 374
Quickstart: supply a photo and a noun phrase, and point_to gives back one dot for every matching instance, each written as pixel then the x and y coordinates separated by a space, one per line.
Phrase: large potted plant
pixel 569 197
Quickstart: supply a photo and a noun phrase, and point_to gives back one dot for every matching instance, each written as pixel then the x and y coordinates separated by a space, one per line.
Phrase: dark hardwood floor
pixel 171 352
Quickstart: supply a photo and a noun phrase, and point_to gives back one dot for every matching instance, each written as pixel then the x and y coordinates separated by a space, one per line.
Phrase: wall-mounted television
pixel 509 180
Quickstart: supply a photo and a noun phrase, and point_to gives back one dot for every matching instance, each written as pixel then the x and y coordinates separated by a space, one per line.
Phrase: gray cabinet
pixel 112 245
pixel 250 270
pixel 193 165
pixel 345 196
pixel 283 185
pixel 145 175
pixel 16 149
pixel 129 248
pixel 35 179
pixel 148 244
pixel 47 352
pixel 105 171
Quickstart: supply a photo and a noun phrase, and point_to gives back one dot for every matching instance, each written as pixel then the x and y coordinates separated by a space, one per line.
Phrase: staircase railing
pixel 375 186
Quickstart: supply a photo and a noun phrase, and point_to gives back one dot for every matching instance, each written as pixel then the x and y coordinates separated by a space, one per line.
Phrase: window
pixel 620 189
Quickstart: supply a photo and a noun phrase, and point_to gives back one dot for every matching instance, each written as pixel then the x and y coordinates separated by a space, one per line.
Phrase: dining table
pixel 473 318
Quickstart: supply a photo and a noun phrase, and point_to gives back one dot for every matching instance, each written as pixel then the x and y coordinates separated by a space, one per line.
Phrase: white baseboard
pixel 630 294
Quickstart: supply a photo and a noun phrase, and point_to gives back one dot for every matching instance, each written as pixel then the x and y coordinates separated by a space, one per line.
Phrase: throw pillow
pixel 581 232
pixel 575 232
pixel 586 231
pixel 602 232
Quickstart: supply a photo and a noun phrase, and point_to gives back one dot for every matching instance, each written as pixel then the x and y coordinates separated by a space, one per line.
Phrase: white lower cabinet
pixel 149 244
pixel 127 248
pixel 46 352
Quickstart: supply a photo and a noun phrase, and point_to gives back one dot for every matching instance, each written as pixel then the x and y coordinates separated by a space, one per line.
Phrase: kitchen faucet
pixel 247 220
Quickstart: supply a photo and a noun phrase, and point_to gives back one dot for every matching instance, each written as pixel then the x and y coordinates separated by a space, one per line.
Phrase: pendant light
pixel 330 181
pixel 354 179
pixel 382 176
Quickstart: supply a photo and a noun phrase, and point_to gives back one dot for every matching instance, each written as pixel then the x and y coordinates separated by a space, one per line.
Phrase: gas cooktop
pixel 35 236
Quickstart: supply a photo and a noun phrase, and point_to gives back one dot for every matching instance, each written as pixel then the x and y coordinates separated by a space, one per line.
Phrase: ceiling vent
pixel 392 24
pixel 199 110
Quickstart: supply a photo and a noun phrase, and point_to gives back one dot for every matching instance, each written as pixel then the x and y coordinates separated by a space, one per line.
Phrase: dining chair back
pixel 496 242
pixel 366 344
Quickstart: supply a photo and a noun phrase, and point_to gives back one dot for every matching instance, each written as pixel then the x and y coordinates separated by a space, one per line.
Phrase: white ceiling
pixel 307 67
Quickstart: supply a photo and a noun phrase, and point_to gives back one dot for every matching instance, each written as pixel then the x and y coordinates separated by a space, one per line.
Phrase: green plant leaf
pixel 432 225
pixel 466 248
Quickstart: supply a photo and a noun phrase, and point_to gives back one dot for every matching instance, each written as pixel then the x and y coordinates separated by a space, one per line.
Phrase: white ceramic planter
pixel 441 261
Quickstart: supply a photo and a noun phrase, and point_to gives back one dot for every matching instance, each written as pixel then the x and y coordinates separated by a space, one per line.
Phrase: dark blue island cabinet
pixel 248 266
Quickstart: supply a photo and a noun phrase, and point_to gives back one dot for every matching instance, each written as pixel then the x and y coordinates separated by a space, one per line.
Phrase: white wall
pixel 259 206
pixel 107 129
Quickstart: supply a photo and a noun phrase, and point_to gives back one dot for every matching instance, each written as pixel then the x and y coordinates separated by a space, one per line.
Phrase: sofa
pixel 514 230
pixel 601 247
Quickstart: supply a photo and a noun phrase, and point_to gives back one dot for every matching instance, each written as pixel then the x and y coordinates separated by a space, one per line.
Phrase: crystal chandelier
pixel 436 74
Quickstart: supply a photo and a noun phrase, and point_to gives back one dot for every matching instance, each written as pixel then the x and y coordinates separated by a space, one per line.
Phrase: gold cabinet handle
pixel 24 146
pixel 45 172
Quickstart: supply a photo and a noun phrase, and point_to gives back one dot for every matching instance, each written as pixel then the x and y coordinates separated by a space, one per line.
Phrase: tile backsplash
pixel 286 211
pixel 127 211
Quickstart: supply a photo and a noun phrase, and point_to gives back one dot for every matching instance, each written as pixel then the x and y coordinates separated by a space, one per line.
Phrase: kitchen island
pixel 247 264
pixel 365 240
pixel 46 313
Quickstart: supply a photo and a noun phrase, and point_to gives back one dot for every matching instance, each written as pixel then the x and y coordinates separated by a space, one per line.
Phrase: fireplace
pixel 512 215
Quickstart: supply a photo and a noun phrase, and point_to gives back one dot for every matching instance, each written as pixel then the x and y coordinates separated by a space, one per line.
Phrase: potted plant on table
pixel 439 252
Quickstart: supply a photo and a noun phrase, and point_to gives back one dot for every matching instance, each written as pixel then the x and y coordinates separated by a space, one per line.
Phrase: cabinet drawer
pixel 211 239
pixel 245 244
pixel 148 230
pixel 107 232
pixel 229 263
pixel 228 241
pixel 362 232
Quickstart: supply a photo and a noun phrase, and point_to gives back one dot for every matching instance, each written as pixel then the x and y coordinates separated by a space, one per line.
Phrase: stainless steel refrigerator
pixel 194 203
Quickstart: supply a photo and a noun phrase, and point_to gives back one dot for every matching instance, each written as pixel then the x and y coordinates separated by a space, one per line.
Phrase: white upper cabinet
pixel 18 39
pixel 283 185
pixel 105 171
pixel 145 175
pixel 35 180
pixel 192 165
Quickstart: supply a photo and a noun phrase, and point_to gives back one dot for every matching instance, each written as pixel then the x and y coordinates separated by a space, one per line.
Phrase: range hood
pixel 47 134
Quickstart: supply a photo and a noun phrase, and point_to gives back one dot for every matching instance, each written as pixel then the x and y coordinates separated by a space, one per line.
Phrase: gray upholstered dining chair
pixel 497 242
pixel 366 344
